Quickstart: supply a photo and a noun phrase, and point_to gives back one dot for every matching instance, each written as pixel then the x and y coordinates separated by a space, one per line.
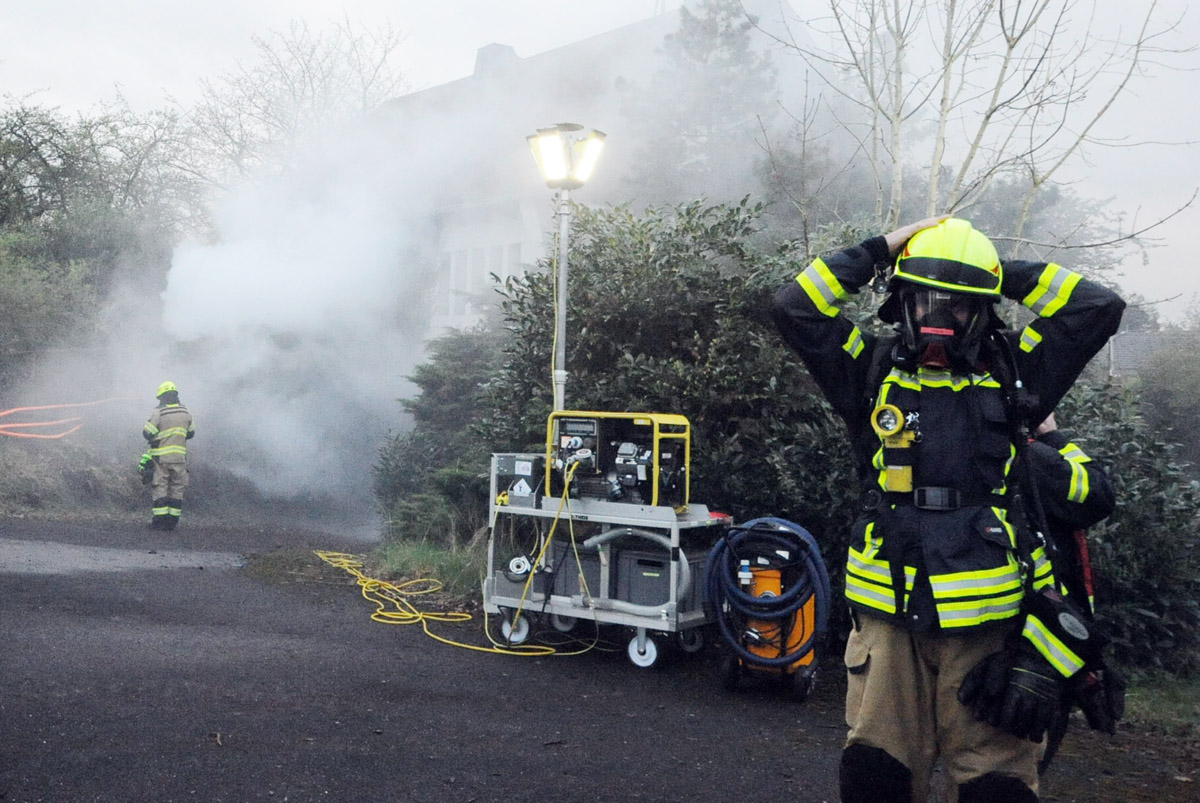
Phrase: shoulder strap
pixel 863 440
pixel 1025 504
pixel 880 366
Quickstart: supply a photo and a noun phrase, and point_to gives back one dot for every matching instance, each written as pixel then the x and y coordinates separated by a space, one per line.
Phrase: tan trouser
pixel 901 697
pixel 169 480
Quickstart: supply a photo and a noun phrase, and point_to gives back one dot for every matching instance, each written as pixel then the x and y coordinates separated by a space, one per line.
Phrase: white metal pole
pixel 560 336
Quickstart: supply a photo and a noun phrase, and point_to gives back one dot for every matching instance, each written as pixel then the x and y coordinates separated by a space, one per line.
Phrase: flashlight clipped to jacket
pixel 899 433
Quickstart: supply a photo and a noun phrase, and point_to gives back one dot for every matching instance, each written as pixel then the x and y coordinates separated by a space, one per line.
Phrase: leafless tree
pixel 257 118
pixel 943 97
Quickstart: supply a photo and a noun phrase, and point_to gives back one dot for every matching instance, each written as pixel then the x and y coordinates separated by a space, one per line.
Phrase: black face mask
pixel 942 329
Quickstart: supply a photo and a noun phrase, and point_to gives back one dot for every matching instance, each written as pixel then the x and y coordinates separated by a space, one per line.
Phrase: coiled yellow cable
pixel 393 607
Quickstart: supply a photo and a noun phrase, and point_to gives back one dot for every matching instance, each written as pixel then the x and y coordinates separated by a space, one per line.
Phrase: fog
pixel 290 334
pixel 302 319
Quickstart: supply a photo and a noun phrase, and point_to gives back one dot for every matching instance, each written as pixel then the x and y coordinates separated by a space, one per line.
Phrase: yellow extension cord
pixel 392 605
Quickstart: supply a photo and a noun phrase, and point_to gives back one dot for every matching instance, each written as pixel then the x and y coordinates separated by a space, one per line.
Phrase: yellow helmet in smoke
pixel 165 387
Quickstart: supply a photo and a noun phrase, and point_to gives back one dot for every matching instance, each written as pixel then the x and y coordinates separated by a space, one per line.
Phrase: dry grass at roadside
pixel 459 570
pixel 1168 704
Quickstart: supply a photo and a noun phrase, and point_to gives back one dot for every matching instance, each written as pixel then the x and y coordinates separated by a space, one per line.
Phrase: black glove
pixel 1014 690
pixel 1100 694
pixel 986 683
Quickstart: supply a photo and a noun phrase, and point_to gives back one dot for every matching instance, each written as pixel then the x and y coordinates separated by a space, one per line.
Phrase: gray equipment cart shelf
pixel 643 568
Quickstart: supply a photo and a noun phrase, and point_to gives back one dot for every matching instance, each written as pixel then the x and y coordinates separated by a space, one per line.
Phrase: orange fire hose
pixel 11 428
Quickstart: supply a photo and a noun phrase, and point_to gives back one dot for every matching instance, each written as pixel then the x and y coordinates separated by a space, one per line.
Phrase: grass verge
pixel 459 570
pixel 1168 704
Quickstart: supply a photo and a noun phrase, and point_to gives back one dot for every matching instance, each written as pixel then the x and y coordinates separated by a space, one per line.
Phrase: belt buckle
pixel 935 498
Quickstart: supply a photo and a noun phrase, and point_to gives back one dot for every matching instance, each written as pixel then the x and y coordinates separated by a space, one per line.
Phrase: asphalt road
pixel 142 666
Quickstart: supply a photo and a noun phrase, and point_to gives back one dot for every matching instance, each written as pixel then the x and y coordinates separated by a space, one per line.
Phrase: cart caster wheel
pixel 515 635
pixel 691 641
pixel 645 657
pixel 729 670
pixel 563 624
pixel 800 684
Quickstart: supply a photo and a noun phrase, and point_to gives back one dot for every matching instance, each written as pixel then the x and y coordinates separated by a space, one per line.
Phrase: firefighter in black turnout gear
pixel 943 581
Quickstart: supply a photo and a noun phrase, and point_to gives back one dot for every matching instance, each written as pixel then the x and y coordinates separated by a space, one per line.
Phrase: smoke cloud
pixel 292 333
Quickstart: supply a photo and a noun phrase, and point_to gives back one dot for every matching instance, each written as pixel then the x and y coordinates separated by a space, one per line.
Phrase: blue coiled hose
pixel 767 537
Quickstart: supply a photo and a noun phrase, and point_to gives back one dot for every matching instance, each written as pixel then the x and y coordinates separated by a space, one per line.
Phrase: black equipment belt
pixel 933 497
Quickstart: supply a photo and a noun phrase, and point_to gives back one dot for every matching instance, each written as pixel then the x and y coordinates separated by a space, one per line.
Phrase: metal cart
pixel 641 568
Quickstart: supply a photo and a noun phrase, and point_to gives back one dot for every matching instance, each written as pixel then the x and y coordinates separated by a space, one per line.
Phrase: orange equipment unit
pixel 768 586
pixel 773 639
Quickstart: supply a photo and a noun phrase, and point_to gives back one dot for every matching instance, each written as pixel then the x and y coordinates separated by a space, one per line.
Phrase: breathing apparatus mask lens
pixel 942 328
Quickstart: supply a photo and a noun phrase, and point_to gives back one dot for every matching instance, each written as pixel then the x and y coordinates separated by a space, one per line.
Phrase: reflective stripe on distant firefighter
pixel 822 287
pixel 175 448
pixel 1051 648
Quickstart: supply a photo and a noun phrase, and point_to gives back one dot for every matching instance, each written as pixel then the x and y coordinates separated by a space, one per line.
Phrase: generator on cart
pixel 600 528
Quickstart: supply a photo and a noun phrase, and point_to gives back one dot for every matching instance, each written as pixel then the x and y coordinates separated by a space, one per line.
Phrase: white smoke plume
pixel 291 334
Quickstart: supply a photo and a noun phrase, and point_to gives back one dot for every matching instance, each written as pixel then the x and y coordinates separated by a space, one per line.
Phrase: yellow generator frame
pixel 644 458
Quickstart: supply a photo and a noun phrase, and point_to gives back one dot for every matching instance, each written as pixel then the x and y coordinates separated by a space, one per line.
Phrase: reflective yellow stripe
pixel 1051 648
pixel 854 344
pixel 158 451
pixel 1002 517
pixel 872 545
pixel 1053 290
pixel 1003 489
pixel 150 428
pixel 1030 339
pixel 869 580
pixel 822 287
pixel 1043 569
pixel 987 582
pixel 869 595
pixel 938 379
pixel 966 614
pixel 867 568
pixel 1080 484
pixel 180 432
pixel 1073 452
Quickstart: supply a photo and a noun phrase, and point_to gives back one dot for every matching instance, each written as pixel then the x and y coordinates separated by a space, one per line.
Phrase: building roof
pixel 476 120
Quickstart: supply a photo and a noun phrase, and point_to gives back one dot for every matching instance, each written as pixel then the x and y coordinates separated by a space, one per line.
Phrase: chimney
pixel 491 59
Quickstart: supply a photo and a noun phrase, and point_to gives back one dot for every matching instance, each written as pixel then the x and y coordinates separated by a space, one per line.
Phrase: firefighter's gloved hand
pixel 985 684
pixel 146 469
pixel 1100 694
pixel 1014 690
pixel 1031 700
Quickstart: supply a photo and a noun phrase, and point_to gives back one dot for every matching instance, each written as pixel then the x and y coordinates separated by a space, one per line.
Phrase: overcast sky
pixel 76 52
